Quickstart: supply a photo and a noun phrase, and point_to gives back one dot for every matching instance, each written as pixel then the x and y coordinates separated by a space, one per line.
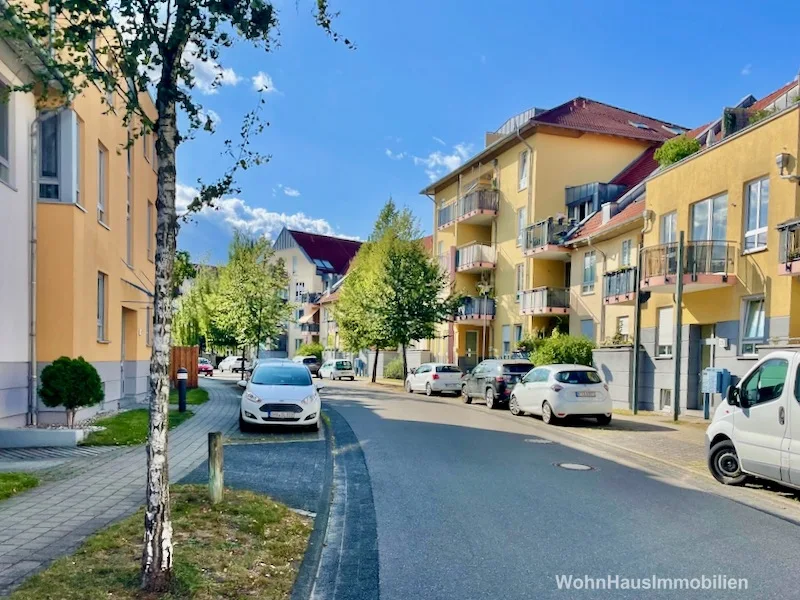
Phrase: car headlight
pixel 252 397
pixel 310 398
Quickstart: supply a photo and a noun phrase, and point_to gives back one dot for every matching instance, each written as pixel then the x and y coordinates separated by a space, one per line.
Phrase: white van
pixel 757 430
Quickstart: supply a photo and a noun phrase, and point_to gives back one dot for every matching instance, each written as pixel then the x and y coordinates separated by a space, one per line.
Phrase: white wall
pixel 305 272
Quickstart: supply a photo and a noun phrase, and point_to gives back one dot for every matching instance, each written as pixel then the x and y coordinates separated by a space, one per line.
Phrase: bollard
pixel 183 377
pixel 215 477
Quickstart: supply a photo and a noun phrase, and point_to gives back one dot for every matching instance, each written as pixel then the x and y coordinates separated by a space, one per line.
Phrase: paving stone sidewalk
pixel 52 520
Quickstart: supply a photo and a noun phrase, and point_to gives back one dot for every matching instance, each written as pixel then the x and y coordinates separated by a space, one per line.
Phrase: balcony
pixel 475 310
pixel 478 207
pixel 619 287
pixel 309 328
pixel 475 258
pixel 707 265
pixel 544 301
pixel 310 297
pixel 789 254
pixel 543 239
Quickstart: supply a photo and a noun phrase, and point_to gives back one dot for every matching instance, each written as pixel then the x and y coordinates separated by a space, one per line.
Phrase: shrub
pixel 312 349
pixel 530 344
pixel 564 349
pixel 72 383
pixel 394 370
pixel 676 149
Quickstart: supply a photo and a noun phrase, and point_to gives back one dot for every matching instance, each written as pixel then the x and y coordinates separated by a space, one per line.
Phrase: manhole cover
pixel 538 441
pixel 574 467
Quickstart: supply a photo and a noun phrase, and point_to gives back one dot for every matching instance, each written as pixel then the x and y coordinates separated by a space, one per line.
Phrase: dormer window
pixel 674 129
pixel 638 124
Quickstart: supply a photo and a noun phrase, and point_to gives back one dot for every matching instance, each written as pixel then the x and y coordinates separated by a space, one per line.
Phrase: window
pixel 767 382
pixel 129 210
pixel 102 297
pixel 589 272
pixel 522 218
pixel 752 325
pixel 623 326
pixel 664 332
pixel 49 158
pixel 756 205
pixel 102 167
pixel 440 248
pixel 578 377
pixel 517 334
pixel 5 135
pixel 93 51
pixel 110 96
pixel 638 124
pixel 506 339
pixel 710 219
pixel 625 254
pixel 587 328
pixel 523 170
pixel 669 228
pixel 294 265
pixel 520 279
pixel 665 399
pixel 148 326
pixel 580 210
pixel 297 343
pixel 299 290
pixel 151 214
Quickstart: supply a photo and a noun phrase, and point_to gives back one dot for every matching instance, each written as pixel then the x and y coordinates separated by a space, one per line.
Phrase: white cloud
pixel 395 155
pixel 208 74
pixel 439 140
pixel 184 194
pixel 439 163
pixel 747 69
pixel 262 82
pixel 291 192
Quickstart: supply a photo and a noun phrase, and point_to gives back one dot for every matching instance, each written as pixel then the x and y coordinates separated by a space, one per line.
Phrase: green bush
pixel 530 344
pixel 312 349
pixel 564 349
pixel 394 370
pixel 676 149
pixel 72 383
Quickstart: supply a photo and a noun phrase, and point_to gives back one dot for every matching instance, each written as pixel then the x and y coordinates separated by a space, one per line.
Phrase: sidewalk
pixel 50 521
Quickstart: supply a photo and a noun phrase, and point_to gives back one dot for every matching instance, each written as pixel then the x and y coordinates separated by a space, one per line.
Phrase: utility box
pixel 716 381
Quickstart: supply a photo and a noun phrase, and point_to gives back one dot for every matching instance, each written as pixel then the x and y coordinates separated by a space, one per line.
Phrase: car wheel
pixel 244 426
pixel 408 387
pixel 332 377
pixel 464 395
pixel 604 419
pixel 428 390
pixel 314 427
pixel 489 396
pixel 724 464
pixel 548 418
pixel 513 406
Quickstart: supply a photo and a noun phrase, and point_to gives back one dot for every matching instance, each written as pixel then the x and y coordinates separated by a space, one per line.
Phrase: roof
pixel 595 225
pixel 770 98
pixel 337 251
pixel 638 170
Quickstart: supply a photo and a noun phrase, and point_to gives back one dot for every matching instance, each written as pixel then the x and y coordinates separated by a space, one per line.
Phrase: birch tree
pixel 129 47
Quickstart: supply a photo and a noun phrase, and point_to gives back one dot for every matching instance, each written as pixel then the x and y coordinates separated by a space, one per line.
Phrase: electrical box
pixel 716 381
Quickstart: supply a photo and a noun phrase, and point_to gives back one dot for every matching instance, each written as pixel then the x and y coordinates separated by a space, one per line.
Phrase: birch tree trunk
pixel 157 552
pixel 375 365
pixel 405 362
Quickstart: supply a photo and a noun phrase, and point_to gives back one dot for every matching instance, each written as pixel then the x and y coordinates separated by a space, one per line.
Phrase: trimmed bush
pixel 72 383
pixel 394 370
pixel 312 349
pixel 564 349
pixel 676 149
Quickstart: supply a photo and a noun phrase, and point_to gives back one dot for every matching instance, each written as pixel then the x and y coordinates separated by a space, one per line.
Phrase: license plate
pixel 281 415
pixel 453 385
pixel 584 394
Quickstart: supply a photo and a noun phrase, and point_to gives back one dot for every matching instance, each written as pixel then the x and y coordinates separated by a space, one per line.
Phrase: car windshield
pixel 344 364
pixel 280 375
pixel 447 369
pixel 309 361
pixel 578 377
pixel 517 368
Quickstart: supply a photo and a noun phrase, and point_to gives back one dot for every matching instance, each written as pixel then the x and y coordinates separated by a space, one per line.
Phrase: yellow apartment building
pixel 500 218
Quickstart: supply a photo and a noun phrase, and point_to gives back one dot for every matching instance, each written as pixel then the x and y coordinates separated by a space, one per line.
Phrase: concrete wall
pixel 615 366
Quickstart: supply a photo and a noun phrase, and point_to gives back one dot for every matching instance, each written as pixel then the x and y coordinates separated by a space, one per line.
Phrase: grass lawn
pixel 14 483
pixel 245 547
pixel 128 428
pixel 193 396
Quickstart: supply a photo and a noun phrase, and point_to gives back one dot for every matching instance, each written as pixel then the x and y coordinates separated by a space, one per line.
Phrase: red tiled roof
pixel 589 115
pixel 595 223
pixel 769 99
pixel 337 251
pixel 698 130
pixel 638 170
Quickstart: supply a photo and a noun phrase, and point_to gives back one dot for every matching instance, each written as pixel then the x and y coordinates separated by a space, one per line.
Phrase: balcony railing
pixel 707 263
pixel 475 257
pixel 545 301
pixel 480 202
pixel 789 252
pixel 309 327
pixel 310 297
pixel 619 286
pixel 544 239
pixel 476 308
pixel 444 262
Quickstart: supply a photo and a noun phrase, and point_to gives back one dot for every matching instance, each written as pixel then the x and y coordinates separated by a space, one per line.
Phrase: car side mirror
pixel 241 383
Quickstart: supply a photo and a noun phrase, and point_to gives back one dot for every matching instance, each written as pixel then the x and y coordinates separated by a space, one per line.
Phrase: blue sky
pixel 349 128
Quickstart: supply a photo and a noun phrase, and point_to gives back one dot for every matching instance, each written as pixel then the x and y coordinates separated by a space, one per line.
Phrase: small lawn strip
pixel 128 428
pixel 248 546
pixel 194 396
pixel 14 483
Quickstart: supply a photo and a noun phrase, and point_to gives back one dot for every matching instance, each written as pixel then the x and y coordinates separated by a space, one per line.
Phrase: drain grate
pixel 574 467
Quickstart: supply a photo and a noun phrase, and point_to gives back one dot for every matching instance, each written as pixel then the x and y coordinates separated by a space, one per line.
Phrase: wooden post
pixel 215 471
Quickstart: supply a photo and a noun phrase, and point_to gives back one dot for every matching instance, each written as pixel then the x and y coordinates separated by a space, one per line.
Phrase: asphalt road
pixel 469 504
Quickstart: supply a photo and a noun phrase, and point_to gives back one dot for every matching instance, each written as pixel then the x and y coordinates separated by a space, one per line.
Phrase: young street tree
pixel 129 47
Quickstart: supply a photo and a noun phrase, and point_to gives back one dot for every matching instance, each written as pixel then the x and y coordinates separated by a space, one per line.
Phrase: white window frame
pixel 626 321
pixel 102 306
pixel 50 179
pixel 102 184
pixel 759 230
pixel 667 236
pixel 587 286
pixel 519 279
pixel 5 137
pixel 522 221
pixel 523 170
pixel 747 344
pixel 625 253
pixel 665 350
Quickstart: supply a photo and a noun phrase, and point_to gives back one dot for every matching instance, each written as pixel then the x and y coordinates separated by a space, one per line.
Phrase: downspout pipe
pixel 529 207
pixel 633 385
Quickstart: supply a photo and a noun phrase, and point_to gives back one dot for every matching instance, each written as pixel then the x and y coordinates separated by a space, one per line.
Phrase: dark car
pixel 493 380
pixel 312 362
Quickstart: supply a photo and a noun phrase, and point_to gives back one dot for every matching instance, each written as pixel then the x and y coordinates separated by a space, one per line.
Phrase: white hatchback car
pixel 233 364
pixel 434 378
pixel 558 391
pixel 337 369
pixel 279 393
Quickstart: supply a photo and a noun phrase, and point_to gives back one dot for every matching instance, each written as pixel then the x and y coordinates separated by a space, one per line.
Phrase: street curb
pixel 309 567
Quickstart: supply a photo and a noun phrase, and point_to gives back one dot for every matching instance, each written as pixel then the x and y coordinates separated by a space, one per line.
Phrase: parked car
pixel 756 431
pixel 493 380
pixel 279 394
pixel 558 391
pixel 233 364
pixel 204 367
pixel 434 378
pixel 312 362
pixel 337 369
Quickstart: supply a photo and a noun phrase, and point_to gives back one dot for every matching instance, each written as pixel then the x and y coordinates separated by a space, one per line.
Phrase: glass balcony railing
pixel 477 203
pixel 544 300
pixel 551 232
pixel 620 282
pixel 789 251
pixel 309 327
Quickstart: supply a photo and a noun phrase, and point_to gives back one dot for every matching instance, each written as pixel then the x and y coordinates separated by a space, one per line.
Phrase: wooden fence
pixel 186 357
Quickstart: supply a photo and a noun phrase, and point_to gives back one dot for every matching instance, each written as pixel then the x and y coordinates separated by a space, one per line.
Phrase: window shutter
pixel 68 156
